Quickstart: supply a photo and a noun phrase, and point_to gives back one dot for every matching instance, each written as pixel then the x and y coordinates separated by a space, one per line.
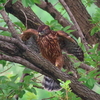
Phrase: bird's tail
pixel 50 85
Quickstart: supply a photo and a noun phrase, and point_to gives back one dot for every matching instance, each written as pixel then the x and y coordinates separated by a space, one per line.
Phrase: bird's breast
pixel 49 47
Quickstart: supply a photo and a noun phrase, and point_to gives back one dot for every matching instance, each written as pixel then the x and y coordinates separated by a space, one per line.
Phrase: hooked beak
pixel 41 33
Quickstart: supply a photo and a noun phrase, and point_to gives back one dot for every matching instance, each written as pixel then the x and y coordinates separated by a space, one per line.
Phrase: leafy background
pixel 10 73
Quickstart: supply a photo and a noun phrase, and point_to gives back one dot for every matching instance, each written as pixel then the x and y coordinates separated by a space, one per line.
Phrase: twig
pixel 37 76
pixel 20 61
pixel 76 24
pixel 48 98
pixel 12 91
pixel 21 81
pixel 40 87
pixel 18 27
pixel 5 70
pixel 25 18
pixel 10 24
pixel 56 3
pixel 4 29
pixel 86 67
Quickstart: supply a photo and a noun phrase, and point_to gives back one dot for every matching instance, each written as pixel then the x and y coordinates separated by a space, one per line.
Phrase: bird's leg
pixel 59 62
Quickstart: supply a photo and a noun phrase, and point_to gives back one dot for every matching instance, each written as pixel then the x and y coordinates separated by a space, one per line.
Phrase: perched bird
pixel 51 44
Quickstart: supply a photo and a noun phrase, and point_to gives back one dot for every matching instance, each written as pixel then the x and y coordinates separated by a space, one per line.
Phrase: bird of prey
pixel 51 44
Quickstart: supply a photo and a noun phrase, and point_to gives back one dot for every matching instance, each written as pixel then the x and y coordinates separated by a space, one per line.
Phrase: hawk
pixel 51 44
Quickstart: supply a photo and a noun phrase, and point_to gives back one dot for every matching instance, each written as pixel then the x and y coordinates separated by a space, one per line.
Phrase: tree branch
pixel 28 16
pixel 54 13
pixel 47 67
pixel 20 60
pixel 75 23
pixel 97 3
pixel 76 8
pixel 57 16
pixel 9 24
pixel 4 29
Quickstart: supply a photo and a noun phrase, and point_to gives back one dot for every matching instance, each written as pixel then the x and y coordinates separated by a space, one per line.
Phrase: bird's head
pixel 43 30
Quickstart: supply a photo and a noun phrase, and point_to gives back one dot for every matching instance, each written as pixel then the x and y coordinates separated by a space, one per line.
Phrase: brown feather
pixel 50 48
pixel 51 44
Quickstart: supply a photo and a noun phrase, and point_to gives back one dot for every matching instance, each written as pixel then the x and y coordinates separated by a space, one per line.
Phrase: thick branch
pixel 57 16
pixel 26 15
pixel 8 48
pixel 20 60
pixel 54 13
pixel 30 20
pixel 78 10
pixel 47 67
pixel 75 23
pixel 97 3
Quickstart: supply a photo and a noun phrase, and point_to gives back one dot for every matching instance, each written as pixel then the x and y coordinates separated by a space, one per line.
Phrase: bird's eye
pixel 44 31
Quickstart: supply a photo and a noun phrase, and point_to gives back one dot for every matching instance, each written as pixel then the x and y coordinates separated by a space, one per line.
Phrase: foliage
pixel 10 73
pixel 27 3
pixel 88 2
pixel 96 20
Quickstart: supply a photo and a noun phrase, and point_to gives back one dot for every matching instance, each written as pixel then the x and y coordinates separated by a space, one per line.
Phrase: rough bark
pixel 97 3
pixel 57 16
pixel 48 69
pixel 35 61
pixel 82 17
pixel 26 15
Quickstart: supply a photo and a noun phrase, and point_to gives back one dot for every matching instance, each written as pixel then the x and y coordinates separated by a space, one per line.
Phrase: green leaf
pixel 5 33
pixel 36 1
pixel 3 62
pixel 83 79
pixel 13 85
pixel 27 70
pixel 30 96
pixel 34 91
pixel 64 70
pixel 94 30
pixel 27 78
pixel 65 85
pixel 22 92
pixel 1 7
pixel 3 1
pixel 69 31
pixel 25 3
pixel 79 40
pixel 14 1
pixel 13 78
pixel 77 64
pixel 93 73
pixel 31 2
pixel 66 28
pixel 80 70
pixel 3 78
pixel 90 83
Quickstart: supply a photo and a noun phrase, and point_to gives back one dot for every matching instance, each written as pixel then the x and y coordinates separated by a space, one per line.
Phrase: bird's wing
pixel 68 44
pixel 28 33
pixel 30 39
